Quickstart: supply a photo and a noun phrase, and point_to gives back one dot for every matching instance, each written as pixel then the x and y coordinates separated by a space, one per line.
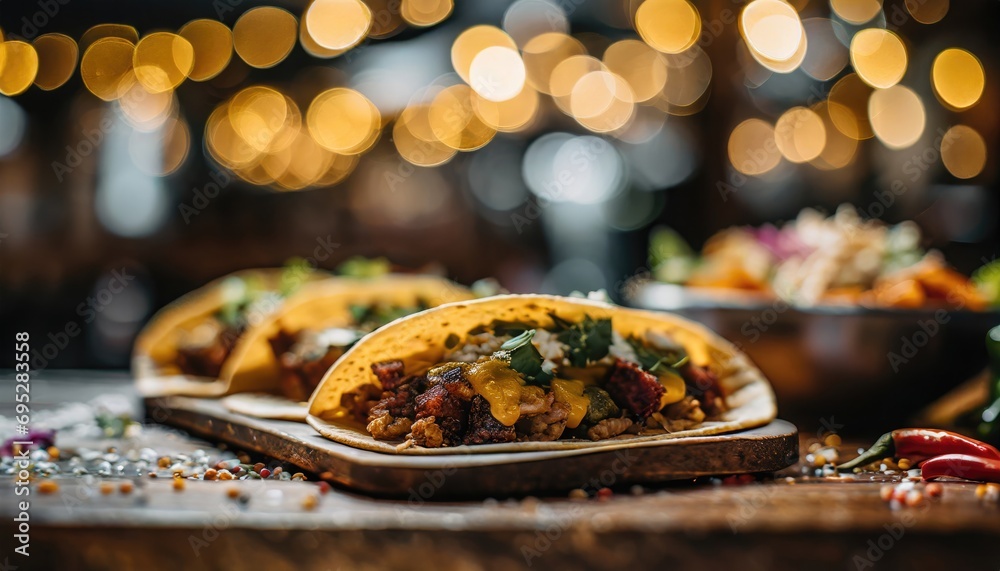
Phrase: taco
pixel 536 372
pixel 187 344
pixel 292 349
pixel 253 333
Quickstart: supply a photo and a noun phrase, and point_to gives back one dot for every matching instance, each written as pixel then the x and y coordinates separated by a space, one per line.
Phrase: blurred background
pixel 147 148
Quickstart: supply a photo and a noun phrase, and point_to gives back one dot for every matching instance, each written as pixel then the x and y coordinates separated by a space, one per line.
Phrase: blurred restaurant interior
pixel 160 145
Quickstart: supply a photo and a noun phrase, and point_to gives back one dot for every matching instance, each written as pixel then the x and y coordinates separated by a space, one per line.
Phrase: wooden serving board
pixel 764 449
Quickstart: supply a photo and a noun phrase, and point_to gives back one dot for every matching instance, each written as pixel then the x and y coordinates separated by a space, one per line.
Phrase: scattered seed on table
pixel 578 494
pixel 278 470
pixel 324 487
pixel 914 498
pixel 935 490
pixel 126 487
pixel 152 474
pixel 48 487
pixel 309 502
pixel 298 476
pixel 232 492
pixel 225 475
pixel 904 464
pixel 258 467
pixel 886 492
pixel 164 462
pixel 107 488
pixel 53 452
pixel 211 474
pixel 832 440
pixel 178 484
pixel 264 472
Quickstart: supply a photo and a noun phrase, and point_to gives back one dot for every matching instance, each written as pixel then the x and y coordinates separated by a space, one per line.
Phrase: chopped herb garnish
pixel 587 341
pixel 293 275
pixel 524 358
pixel 361 267
pixel 655 361
pixel 375 315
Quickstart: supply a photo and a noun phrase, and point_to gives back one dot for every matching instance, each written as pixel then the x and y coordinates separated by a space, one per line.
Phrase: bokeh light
pixel 106 67
pixel 421 13
pixel 497 73
pixel 878 57
pixel 752 148
pixel 897 116
pixel 337 24
pixel 669 26
pixel 848 107
pixel 212 42
pixel 99 31
pixel 454 122
pixel 839 149
pixel 264 36
pixel 512 115
pixel 162 61
pixel 643 68
pixel 13 119
pixel 826 56
pixel 20 67
pixel 57 57
pixel 963 152
pixel 928 11
pixel 800 134
pixel 958 78
pixel 416 142
pixel 525 19
pixel 469 43
pixel 543 53
pixel 856 11
pixel 343 121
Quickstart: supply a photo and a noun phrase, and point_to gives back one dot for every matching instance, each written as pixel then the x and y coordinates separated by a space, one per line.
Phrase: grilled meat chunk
pixel 634 390
pixel 608 428
pixel 703 385
pixel 484 428
pixel 389 373
pixel 360 400
pixel 426 432
pixel 546 426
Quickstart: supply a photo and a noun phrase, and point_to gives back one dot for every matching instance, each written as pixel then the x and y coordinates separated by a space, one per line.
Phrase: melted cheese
pixel 500 386
pixel 571 393
pixel 676 389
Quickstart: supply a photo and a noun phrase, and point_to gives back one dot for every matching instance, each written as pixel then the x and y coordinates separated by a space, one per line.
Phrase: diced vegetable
pixel 601 405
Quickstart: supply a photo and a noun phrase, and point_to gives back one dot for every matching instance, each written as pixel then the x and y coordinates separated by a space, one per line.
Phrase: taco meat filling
pixel 507 382
pixel 305 356
pixel 205 348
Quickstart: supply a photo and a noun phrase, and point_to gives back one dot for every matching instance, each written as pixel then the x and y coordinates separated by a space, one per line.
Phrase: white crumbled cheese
pixel 622 349
pixel 662 341
pixel 337 337
pixel 476 346
pixel 549 346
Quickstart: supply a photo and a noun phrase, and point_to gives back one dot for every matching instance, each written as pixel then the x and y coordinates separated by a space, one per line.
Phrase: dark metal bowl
pixel 857 365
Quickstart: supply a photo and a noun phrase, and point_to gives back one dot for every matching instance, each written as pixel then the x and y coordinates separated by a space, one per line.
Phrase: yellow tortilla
pixel 251 365
pixel 155 348
pixel 419 340
pixel 317 306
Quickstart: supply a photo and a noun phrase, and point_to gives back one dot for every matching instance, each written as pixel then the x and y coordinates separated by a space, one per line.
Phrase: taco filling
pixel 304 356
pixel 203 350
pixel 509 382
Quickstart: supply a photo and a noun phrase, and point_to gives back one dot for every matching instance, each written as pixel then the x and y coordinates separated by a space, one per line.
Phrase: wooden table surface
pixel 790 522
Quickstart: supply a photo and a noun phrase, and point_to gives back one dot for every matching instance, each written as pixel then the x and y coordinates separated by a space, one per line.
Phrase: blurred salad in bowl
pixel 816 260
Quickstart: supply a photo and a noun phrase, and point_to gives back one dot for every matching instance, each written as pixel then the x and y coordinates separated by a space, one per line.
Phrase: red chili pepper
pixel 962 466
pixel 920 444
